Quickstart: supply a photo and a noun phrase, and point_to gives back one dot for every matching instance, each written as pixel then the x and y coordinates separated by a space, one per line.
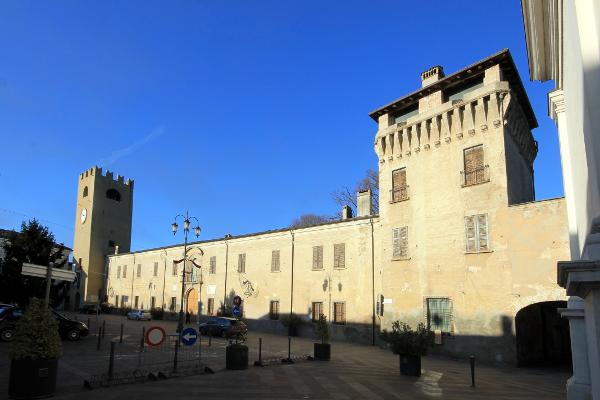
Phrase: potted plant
pixel 322 351
pixel 292 322
pixel 236 353
pixel 409 344
pixel 34 353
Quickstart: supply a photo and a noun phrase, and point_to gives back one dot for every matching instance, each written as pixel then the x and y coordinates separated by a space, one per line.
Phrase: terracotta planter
pixel 322 351
pixel 236 356
pixel 410 365
pixel 32 379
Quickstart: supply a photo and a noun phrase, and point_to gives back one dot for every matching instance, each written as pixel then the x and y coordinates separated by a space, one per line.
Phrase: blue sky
pixel 246 113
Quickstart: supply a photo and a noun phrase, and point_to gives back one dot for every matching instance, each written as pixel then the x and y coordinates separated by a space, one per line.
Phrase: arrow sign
pixel 189 336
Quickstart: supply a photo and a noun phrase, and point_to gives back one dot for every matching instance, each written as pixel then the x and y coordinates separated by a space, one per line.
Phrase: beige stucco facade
pixel 426 134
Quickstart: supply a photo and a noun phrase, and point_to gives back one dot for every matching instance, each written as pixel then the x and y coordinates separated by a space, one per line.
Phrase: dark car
pixel 224 327
pixel 67 328
pixel 89 309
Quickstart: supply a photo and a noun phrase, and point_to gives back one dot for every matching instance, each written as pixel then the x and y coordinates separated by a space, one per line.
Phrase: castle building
pixel 460 243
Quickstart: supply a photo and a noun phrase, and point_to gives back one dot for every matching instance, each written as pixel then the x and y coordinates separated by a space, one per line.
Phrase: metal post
pixel 48 284
pixel 259 350
pixel 143 335
pixel 210 338
pixel 111 360
pixel 99 338
pixel 89 324
pixel 176 353
pixel 121 334
pixel 140 352
pixel 199 348
pixel 472 359
pixel 103 328
pixel 289 348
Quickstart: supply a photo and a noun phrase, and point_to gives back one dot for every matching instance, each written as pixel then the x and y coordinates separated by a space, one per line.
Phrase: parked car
pixel 89 309
pixel 223 326
pixel 68 329
pixel 139 315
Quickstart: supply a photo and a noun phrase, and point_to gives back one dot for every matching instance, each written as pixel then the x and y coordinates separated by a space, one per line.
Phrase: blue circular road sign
pixel 236 311
pixel 189 336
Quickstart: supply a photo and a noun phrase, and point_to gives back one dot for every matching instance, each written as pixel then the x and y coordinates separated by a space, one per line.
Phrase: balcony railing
pixel 399 194
pixel 475 176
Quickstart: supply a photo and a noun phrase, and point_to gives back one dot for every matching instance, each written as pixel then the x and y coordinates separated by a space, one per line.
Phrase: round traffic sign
pixel 155 336
pixel 189 336
pixel 236 311
pixel 237 301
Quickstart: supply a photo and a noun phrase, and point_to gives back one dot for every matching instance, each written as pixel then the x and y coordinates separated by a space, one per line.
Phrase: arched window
pixel 85 191
pixel 113 195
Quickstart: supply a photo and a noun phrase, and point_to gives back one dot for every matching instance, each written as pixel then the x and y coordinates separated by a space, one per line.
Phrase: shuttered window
pixel 173 304
pixel 124 271
pixel 339 313
pixel 339 255
pixel 213 265
pixel 474 166
pixel 139 271
pixel 211 306
pixel 400 242
pixel 136 300
pixel 317 310
pixel 274 309
pixel 174 268
pixel 439 314
pixel 275 261
pixel 477 233
pixel 152 302
pixel 399 188
pixel 317 257
pixel 155 269
pixel 242 262
pixel 117 301
pixel 119 272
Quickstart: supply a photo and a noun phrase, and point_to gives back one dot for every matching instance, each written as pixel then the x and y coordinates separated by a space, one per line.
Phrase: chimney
pixel 432 75
pixel 364 200
pixel 346 212
pixel 117 249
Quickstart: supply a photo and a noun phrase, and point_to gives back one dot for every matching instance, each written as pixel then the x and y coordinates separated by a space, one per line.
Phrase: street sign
pixel 236 311
pixel 155 336
pixel 41 271
pixel 189 336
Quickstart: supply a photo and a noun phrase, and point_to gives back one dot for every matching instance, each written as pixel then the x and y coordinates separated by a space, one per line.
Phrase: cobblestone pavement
pixel 355 372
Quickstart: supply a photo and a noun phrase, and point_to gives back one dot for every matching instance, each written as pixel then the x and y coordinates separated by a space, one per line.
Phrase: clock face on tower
pixel 83 215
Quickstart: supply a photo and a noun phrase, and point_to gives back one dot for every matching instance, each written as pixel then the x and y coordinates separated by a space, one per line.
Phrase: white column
pixel 578 386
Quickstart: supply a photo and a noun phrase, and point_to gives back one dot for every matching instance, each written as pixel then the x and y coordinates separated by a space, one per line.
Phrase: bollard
pixel 99 338
pixel 472 359
pixel 143 334
pixel 176 353
pixel 289 348
pixel 111 360
pixel 199 348
pixel 209 339
pixel 140 352
pixel 121 335
pixel 89 325
pixel 260 350
pixel 103 328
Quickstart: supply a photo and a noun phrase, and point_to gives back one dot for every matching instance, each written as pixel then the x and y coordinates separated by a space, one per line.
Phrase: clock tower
pixel 102 227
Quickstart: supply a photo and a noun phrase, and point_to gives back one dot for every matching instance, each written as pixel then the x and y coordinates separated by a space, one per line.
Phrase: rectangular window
pixel 155 269
pixel 476 230
pixel 119 272
pixel 174 268
pixel 317 257
pixel 213 265
pixel 339 255
pixel 400 242
pixel 139 271
pixel 136 299
pixel 173 304
pixel 211 306
pixel 275 261
pixel 117 301
pixel 124 301
pixel 475 171
pixel 439 314
pixel 152 302
pixel 124 271
pixel 317 310
pixel 274 309
pixel 339 313
pixel 242 262
pixel 399 187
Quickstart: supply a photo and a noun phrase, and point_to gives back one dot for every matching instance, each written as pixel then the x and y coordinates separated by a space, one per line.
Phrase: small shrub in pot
pixel 322 351
pixel 409 344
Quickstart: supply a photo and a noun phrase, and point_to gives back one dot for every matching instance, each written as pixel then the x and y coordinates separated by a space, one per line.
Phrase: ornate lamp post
pixel 186 230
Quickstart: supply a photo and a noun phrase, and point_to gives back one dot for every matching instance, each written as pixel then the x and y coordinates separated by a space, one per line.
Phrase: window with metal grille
pixel 339 313
pixel 274 309
pixel 242 262
pixel 399 190
pixel 213 265
pixel 211 306
pixel 275 261
pixel 317 257
pixel 124 271
pixel 136 299
pixel 155 269
pixel 477 233
pixel 139 271
pixel 317 310
pixel 439 314
pixel 119 272
pixel 173 304
pixel 174 268
pixel 475 170
pixel 124 301
pixel 152 302
pixel 339 255
pixel 400 242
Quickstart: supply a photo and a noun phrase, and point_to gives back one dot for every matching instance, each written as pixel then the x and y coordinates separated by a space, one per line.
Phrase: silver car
pixel 139 315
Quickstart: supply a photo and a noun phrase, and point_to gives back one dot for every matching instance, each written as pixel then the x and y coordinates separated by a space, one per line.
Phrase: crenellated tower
pixel 102 226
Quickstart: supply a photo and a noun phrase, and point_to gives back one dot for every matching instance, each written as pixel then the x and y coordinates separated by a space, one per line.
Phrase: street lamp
pixel 186 230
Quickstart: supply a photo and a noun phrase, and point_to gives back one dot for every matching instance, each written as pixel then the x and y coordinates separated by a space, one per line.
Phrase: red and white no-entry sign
pixel 155 336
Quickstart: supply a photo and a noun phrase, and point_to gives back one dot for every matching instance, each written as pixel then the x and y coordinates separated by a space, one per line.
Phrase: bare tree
pixel 309 220
pixel 347 196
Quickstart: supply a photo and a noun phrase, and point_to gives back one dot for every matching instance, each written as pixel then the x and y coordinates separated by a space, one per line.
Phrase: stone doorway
pixel 191 304
pixel 542 335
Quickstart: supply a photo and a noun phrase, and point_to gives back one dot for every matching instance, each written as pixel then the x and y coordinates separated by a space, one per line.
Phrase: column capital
pixel 579 277
pixel 556 103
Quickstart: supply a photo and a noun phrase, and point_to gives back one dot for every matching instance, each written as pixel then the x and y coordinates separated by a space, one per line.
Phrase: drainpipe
pixel 373 276
pixel 226 269
pixel 164 282
pixel 292 278
pixel 132 278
